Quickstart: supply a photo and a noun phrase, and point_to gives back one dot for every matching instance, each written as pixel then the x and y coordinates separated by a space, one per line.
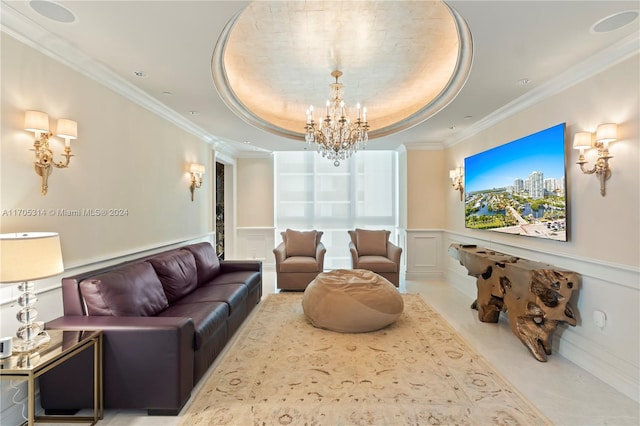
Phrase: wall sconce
pixel 456 175
pixel 196 170
pixel 605 133
pixel 38 122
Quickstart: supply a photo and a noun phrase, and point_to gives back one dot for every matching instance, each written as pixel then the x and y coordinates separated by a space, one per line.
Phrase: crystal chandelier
pixel 335 135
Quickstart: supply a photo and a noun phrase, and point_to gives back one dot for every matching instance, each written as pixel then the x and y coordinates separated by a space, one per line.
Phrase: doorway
pixel 220 210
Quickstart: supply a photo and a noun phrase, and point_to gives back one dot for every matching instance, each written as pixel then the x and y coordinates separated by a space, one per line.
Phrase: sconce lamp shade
pixel 607 132
pixel 197 168
pixel 582 140
pixel 29 256
pixel 453 174
pixel 36 121
pixel 67 129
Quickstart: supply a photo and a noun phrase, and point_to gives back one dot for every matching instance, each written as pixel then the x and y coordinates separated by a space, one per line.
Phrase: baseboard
pixel 603 364
pixel 462 282
pixel 423 276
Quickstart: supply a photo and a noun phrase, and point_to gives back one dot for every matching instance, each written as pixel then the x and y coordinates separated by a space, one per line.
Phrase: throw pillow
pixel 371 243
pixel 300 243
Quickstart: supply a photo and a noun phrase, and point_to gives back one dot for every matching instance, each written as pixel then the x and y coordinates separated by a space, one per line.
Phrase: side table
pixel 63 345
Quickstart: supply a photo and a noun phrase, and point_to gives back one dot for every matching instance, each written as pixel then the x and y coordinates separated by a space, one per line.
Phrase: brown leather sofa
pixel 165 318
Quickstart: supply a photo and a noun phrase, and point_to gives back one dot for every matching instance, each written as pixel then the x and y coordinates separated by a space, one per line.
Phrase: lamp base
pixel 21 345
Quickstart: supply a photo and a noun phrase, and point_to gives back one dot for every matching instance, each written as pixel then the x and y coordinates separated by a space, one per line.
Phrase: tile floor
pixel 564 392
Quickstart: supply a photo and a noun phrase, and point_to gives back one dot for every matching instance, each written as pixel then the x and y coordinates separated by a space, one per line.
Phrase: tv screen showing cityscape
pixel 520 187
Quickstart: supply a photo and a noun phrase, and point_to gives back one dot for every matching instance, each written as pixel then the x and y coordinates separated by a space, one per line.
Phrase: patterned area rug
pixel 281 370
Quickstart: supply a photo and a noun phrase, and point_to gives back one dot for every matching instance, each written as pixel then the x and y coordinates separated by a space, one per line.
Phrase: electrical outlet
pixel 600 319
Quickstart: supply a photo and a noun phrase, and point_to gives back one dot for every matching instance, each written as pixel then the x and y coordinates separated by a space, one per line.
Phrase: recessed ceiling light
pixel 524 81
pixel 452 127
pixel 53 11
pixel 194 113
pixel 615 21
pixel 468 117
pixel 167 93
pixel 246 142
pixel 140 74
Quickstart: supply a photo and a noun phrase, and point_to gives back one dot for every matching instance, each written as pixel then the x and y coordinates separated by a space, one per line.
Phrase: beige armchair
pixel 372 250
pixel 299 258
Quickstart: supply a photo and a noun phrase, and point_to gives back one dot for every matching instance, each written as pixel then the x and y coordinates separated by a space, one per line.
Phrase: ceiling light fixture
pixel 336 137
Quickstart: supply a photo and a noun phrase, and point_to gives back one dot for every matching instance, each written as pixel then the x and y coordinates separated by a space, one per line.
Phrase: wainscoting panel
pixel 423 254
pixel 256 243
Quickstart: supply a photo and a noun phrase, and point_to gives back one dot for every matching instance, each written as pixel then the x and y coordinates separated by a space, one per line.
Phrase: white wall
pixel 255 231
pixel 125 158
pixel 604 236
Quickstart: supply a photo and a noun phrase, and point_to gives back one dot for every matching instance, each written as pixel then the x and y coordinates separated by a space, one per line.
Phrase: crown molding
pixel 423 146
pixel 33 35
pixel 28 32
pixel 255 154
pixel 594 65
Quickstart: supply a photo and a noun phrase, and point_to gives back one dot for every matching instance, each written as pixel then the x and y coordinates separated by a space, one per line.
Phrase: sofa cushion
pixel 371 243
pixel 234 295
pixel 131 290
pixel 177 272
pixel 207 317
pixel 300 243
pixel 251 279
pixel 206 261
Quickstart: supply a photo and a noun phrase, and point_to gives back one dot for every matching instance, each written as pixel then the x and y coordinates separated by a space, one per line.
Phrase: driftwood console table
pixel 535 295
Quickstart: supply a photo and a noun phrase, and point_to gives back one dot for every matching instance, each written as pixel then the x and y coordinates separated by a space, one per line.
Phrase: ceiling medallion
pixel 335 135
pixel 405 63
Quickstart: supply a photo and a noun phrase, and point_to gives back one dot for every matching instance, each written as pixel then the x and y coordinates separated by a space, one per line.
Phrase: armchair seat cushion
pixel 207 317
pixel 299 264
pixel 377 263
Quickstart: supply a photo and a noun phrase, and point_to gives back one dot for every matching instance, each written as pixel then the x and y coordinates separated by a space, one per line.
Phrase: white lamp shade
pixel 582 140
pixel 607 132
pixel 455 173
pixel 36 121
pixel 29 256
pixel 197 168
pixel 67 129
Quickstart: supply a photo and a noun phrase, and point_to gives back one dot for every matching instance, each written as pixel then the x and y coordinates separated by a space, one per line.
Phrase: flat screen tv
pixel 520 187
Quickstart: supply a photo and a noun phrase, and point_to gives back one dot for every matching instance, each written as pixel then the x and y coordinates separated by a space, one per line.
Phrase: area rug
pixel 281 370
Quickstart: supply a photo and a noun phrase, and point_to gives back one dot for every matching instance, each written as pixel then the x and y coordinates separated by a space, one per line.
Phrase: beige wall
pixel 604 228
pixel 125 158
pixel 255 192
pixel 427 187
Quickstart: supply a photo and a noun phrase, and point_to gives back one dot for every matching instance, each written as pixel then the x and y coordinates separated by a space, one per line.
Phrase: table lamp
pixel 25 257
